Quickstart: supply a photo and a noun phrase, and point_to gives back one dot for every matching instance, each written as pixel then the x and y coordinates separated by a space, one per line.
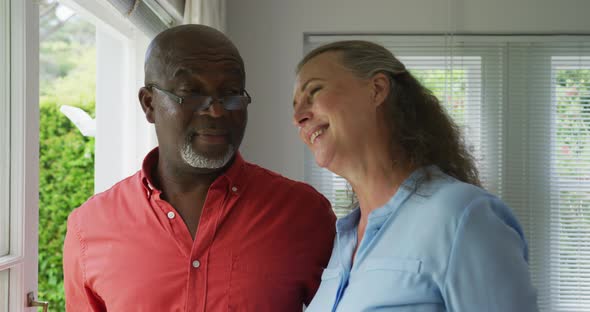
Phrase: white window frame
pixel 4 127
pixel 23 155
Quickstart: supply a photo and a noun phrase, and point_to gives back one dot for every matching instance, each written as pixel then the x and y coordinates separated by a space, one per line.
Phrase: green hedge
pixel 66 180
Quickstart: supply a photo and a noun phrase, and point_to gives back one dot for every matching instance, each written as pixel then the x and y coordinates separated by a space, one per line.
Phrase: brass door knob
pixel 31 302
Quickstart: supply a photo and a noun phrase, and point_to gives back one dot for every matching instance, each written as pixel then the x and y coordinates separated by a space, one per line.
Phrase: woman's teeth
pixel 315 135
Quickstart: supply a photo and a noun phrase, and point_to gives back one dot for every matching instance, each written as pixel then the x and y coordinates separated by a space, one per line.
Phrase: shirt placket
pixel 176 226
pixel 213 211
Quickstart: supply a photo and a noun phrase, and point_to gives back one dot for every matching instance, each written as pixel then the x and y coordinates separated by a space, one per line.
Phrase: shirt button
pixel 196 264
pixel 234 189
pixel 171 215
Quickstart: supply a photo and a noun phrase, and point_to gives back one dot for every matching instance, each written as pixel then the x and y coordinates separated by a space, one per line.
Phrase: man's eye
pixel 233 92
pixel 186 91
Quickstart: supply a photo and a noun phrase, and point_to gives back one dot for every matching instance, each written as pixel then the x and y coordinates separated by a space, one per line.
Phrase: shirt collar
pixel 349 222
pixel 420 175
pixel 147 169
pixel 378 216
pixel 233 173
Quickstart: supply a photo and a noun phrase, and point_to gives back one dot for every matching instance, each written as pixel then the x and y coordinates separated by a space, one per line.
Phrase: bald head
pixel 187 41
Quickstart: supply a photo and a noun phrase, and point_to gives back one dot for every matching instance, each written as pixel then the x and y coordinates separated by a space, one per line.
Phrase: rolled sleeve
pixel 487 268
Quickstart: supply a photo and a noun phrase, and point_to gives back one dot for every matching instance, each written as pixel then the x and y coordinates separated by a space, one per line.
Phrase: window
pixel 456 81
pixel 4 149
pixel 122 45
pixel 123 136
pixel 4 127
pixel 18 152
pixel 90 54
pixel 570 183
pixel 523 103
pixel 4 290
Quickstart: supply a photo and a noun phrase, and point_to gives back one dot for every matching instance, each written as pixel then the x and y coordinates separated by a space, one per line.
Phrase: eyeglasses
pixel 201 103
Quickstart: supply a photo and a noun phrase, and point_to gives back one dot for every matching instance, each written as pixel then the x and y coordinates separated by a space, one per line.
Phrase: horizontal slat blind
pixel 570 176
pixel 523 103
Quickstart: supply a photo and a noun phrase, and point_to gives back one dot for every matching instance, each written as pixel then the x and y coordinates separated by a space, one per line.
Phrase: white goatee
pixel 197 160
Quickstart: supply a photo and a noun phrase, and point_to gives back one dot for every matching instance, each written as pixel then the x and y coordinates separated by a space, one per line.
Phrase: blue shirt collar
pixel 378 216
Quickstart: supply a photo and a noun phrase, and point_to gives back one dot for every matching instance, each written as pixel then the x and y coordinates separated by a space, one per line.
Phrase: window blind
pixel 147 15
pixel 523 104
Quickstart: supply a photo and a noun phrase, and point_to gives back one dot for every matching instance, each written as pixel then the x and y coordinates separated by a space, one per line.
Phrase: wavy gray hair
pixel 418 122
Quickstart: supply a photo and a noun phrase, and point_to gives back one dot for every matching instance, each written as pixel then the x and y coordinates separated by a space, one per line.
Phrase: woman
pixel 424 235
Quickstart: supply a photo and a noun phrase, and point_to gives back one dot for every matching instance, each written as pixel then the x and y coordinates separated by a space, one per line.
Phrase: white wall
pixel 269 34
pixel 123 136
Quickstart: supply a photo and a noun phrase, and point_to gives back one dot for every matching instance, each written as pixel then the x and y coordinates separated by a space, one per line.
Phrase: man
pixel 197 228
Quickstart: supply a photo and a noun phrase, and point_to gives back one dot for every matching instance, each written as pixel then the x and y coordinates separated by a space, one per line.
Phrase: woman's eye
pixel 314 91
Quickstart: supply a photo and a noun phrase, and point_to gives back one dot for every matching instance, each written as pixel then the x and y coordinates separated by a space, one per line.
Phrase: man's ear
pixel 145 99
pixel 381 88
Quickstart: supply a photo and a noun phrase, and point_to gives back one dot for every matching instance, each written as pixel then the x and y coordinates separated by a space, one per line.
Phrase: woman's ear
pixel 145 99
pixel 381 88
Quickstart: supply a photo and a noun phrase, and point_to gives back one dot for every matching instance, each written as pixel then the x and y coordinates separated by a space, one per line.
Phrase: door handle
pixel 31 302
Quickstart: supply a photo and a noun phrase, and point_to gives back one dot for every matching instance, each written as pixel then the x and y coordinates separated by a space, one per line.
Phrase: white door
pixel 19 133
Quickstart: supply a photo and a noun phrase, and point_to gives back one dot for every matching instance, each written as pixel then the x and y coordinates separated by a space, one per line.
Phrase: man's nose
pixel 215 108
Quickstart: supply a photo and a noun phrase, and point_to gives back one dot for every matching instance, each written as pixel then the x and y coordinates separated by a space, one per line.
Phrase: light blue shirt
pixel 438 245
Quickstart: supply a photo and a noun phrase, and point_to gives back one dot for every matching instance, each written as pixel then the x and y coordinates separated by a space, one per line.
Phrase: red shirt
pixel 261 245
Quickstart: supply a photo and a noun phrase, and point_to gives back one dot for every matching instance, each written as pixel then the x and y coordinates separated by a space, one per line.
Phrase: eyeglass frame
pixel 181 99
